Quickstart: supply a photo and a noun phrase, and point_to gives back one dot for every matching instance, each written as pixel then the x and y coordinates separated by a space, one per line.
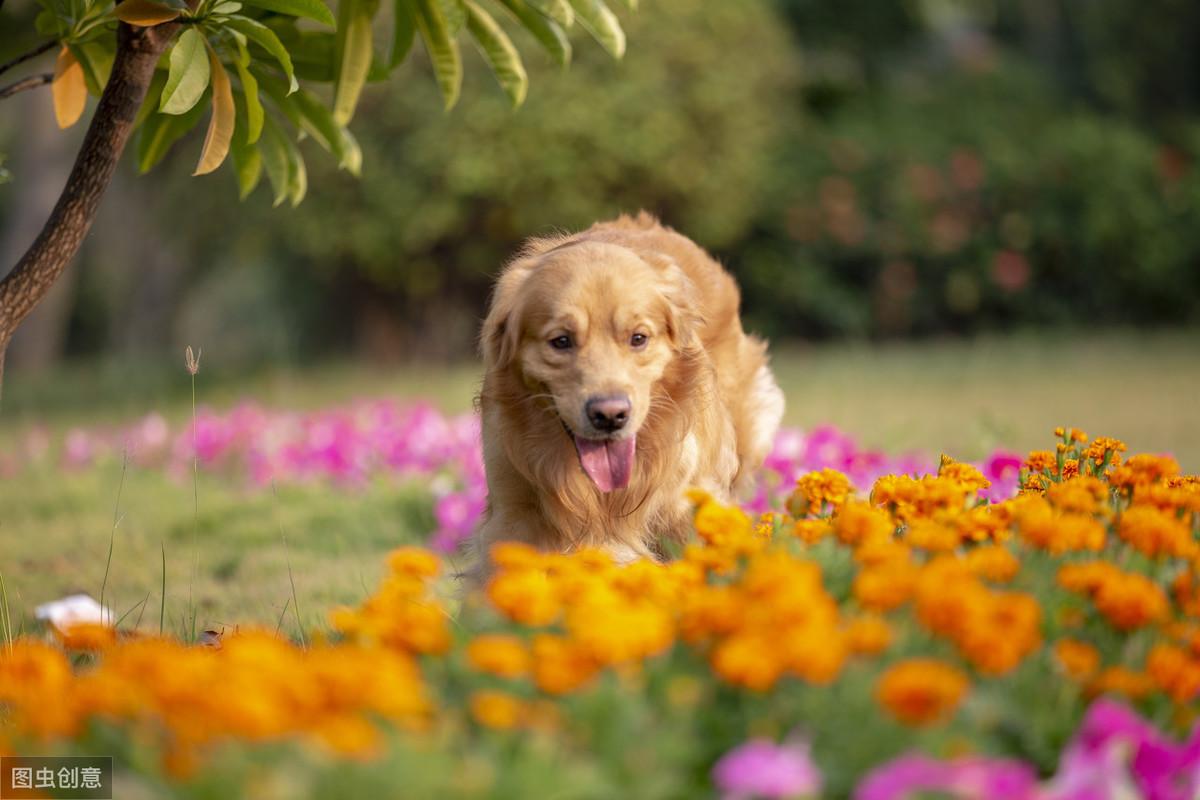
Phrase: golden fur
pixel 705 406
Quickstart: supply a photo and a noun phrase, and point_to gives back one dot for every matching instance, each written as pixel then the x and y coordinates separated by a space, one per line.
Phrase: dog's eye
pixel 561 342
pixel 638 340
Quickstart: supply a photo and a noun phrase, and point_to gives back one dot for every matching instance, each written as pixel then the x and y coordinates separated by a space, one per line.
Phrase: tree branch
pixel 138 51
pixel 34 53
pixel 32 82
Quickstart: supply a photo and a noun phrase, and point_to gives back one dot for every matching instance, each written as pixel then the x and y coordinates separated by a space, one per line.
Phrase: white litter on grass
pixel 73 610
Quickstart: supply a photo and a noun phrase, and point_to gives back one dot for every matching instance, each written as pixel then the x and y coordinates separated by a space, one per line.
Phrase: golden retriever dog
pixel 617 375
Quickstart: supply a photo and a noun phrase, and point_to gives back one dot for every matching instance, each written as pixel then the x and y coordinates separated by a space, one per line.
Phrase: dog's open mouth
pixel 608 462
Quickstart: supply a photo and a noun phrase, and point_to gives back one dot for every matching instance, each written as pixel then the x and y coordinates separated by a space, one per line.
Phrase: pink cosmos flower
pixel 762 769
pixel 973 778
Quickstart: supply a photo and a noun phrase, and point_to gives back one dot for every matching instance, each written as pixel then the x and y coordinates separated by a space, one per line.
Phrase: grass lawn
pixel 228 565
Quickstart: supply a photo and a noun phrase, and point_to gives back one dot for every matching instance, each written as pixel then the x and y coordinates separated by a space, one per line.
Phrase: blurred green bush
pixel 685 125
pixel 974 199
pixel 867 169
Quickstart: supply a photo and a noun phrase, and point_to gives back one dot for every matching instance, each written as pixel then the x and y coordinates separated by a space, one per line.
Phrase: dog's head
pixel 590 329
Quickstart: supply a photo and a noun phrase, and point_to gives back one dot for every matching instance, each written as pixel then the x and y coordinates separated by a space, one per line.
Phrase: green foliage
pixel 446 199
pixel 263 43
pixel 891 225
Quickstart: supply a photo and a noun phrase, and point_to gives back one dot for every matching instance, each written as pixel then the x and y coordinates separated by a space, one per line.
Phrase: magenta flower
pixel 762 769
pixel 973 778
pixel 1116 754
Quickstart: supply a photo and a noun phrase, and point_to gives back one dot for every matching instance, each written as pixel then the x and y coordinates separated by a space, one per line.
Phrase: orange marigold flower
pixel 1126 599
pixel 921 691
pixel 929 534
pixel 499 654
pixel 722 526
pixel 868 634
pixel 524 596
pixel 811 531
pixel 1122 681
pixel 414 561
pixel 1079 660
pixel 1041 526
pixel 1174 671
pixel 1082 494
pixel 1103 447
pixel 86 636
pixel 965 475
pixel 1157 533
pixel 817 490
pixel 748 659
pixel 560 666
pixel 885 586
pixel 856 523
pixel 498 710
pixel 1041 461
pixel 994 562
pixel 1142 470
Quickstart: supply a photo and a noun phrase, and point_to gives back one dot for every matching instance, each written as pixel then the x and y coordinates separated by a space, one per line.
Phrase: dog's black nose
pixel 608 412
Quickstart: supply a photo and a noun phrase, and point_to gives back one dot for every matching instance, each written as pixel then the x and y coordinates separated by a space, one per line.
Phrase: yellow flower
pixel 498 710
pixel 498 654
pixel 921 691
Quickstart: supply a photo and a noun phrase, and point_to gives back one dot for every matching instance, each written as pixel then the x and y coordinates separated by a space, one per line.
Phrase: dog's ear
pixel 681 298
pixel 501 332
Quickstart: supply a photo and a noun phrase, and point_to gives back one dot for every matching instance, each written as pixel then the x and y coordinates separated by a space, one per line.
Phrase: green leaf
pixel 312 9
pixel 247 159
pixel 277 90
pixel 265 38
pixel 96 58
pixel 549 33
pixel 254 109
pixel 160 131
pixel 352 158
pixel 404 31
pixel 353 55
pixel 247 164
pixel 274 149
pixel 189 74
pixel 312 53
pixel 148 104
pixel 455 14
pixel 443 50
pixel 598 20
pixel 558 10
pixel 318 122
pixel 501 54
pixel 297 174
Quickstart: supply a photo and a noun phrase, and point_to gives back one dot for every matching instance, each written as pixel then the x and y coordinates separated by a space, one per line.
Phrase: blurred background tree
pixel 868 169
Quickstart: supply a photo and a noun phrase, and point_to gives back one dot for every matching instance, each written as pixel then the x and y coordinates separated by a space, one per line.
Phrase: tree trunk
pixel 138 51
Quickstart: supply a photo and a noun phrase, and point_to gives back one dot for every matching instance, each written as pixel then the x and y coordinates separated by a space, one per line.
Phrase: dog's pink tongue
pixel 608 463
